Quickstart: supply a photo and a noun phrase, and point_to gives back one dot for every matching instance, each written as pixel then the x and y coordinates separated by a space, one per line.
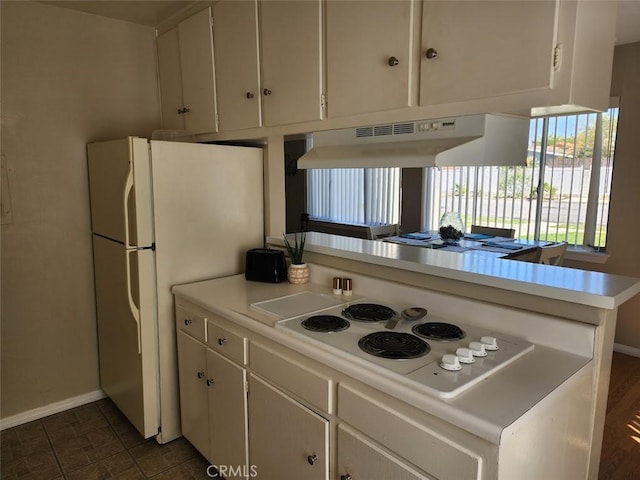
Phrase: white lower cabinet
pixel 213 404
pixel 194 410
pixel 287 440
pixel 359 458
pixel 227 413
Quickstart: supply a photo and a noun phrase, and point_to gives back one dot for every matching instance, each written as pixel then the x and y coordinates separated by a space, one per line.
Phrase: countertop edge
pixel 595 289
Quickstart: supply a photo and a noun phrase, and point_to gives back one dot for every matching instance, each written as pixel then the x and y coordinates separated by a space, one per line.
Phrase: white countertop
pixel 589 288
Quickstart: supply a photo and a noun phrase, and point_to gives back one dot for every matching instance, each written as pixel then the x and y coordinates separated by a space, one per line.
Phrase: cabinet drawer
pixel 360 458
pixel 190 323
pixel 427 449
pixel 226 342
pixel 299 380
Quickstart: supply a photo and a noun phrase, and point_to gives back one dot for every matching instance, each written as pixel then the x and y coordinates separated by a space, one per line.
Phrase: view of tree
pixel 565 142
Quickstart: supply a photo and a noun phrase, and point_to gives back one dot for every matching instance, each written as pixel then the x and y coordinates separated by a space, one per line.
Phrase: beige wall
pixel 68 78
pixel 623 237
pixel 624 228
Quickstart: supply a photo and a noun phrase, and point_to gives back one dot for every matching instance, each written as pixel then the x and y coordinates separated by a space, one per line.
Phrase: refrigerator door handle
pixel 135 311
pixel 128 186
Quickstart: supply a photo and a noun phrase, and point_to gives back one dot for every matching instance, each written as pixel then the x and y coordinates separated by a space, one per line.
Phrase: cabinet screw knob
pixel 431 53
pixel 188 322
pixel 222 341
pixel 393 61
pixel 249 95
pixel 266 91
pixel 200 374
pixel 346 477
pixel 210 382
pixel 312 459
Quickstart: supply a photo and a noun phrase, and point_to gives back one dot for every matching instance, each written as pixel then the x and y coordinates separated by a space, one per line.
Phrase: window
pixel 562 194
pixel 356 196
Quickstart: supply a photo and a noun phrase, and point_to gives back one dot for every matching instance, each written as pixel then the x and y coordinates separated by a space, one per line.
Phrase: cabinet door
pixel 227 411
pixel 291 34
pixel 235 40
pixel 485 48
pixel 196 60
pixel 194 408
pixel 360 458
pixel 170 80
pixel 286 439
pixel 368 56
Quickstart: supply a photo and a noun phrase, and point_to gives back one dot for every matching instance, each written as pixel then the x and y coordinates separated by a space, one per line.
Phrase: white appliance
pixel 484 139
pixel 163 213
pixel 438 357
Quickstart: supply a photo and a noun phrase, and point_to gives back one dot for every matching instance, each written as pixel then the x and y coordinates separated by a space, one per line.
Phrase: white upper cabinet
pixel 196 62
pixel 369 56
pixel 291 39
pixel 170 80
pixel 185 66
pixel 235 39
pixel 481 49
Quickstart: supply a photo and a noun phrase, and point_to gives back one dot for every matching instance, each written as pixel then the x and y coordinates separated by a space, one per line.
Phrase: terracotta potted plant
pixel 298 271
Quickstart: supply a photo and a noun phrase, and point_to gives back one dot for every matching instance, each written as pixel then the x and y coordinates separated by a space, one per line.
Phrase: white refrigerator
pixel 162 213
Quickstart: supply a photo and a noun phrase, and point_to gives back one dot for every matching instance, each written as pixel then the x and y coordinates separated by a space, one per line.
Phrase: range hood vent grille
pixel 389 129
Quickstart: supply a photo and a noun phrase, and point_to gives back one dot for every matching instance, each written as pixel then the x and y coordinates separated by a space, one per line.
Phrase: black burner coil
pixel 394 345
pixel 439 331
pixel 368 312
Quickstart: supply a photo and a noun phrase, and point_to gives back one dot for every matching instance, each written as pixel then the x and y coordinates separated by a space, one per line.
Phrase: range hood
pixel 468 140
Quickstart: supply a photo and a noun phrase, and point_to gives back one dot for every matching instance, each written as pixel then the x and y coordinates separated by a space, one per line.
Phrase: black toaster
pixel 265 265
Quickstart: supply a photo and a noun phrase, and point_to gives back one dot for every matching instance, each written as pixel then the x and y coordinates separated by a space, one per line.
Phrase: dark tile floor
pixel 93 442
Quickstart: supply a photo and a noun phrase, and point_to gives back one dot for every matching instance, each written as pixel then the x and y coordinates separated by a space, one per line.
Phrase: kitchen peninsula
pixel 332 411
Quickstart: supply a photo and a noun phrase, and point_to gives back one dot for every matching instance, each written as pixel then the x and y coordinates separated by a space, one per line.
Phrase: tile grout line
pixel 126 448
pixel 53 450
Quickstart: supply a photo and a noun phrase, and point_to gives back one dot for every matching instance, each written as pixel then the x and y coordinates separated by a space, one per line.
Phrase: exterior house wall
pixel 68 78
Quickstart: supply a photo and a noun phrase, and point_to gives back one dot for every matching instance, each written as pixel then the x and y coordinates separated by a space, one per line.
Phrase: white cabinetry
pixel 474 50
pixel 227 411
pixel 170 80
pixel 291 39
pixel 185 65
pixel 194 410
pixel 282 84
pixel 287 439
pixel 213 399
pixel 235 37
pixel 369 56
pixel 361 458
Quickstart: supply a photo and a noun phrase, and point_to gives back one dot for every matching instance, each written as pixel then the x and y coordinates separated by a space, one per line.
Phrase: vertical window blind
pixel 356 196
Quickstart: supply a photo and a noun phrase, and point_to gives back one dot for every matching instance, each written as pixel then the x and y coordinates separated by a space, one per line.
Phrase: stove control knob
pixel 477 349
pixel 465 355
pixel 450 362
pixel 490 343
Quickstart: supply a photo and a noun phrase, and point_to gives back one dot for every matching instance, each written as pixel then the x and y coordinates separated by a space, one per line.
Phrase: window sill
pixel 586 254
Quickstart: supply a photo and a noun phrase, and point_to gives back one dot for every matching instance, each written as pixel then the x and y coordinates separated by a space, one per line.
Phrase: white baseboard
pixel 41 412
pixel 634 352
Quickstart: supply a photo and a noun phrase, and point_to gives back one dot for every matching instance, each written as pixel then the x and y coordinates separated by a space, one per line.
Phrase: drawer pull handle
pixel 222 341
pixel 201 375
pixel 188 322
pixel 346 477
pixel 210 382
pixel 312 459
